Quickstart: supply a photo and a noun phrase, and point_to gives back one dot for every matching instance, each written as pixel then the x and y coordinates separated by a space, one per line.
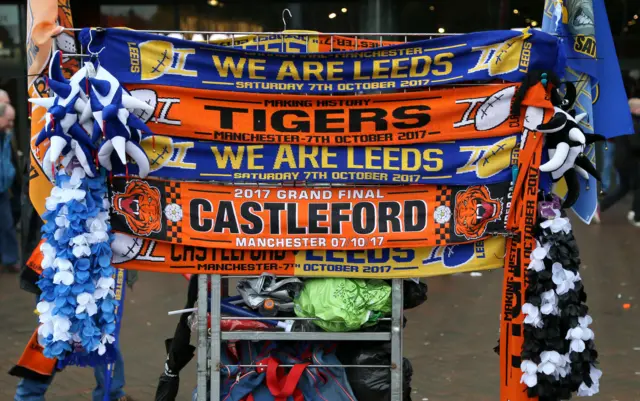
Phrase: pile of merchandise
pixel 180 157
pixel 267 295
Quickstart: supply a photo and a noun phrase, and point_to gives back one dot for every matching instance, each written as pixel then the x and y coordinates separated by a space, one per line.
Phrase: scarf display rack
pixel 210 339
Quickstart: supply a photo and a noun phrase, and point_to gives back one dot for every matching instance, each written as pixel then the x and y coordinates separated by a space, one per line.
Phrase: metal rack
pixel 209 366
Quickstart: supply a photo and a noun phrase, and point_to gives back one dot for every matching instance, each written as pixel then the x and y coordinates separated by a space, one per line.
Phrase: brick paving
pixel 449 339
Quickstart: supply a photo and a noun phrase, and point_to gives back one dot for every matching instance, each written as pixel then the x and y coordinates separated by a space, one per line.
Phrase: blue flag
pixel 581 25
pixel 611 113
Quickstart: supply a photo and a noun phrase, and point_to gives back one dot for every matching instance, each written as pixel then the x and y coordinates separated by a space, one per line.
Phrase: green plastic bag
pixel 344 304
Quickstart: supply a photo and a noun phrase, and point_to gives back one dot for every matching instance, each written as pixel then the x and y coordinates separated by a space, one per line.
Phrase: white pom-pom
pixel 61 326
pixel 45 329
pixel 43 307
pixel 528 366
pixel 57 235
pixel 540 252
pixel 62 264
pixel 81 251
pixel 106 282
pixel 577 345
pixel 530 380
pixel 63 277
pixel 547 368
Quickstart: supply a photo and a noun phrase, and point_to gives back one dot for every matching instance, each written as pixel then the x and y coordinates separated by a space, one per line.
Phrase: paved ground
pixel 449 339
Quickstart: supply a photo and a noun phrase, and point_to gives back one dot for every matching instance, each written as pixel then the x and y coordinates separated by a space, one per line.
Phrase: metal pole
pixel 397 298
pixel 202 337
pixel 214 361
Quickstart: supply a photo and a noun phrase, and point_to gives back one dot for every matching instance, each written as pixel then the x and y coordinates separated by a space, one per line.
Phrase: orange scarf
pixel 33 364
pixel 522 220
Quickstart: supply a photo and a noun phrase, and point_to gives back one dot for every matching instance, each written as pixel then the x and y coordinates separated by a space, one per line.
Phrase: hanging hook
pixel 93 54
pixel 286 10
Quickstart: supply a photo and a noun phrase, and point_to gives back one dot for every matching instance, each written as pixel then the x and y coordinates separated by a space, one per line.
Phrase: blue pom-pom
pixel 82 276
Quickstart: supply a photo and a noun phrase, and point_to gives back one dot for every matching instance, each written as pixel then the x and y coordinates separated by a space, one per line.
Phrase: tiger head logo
pixel 140 206
pixel 474 210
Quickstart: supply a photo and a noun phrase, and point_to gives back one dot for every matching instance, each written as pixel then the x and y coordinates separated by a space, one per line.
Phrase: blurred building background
pixel 445 16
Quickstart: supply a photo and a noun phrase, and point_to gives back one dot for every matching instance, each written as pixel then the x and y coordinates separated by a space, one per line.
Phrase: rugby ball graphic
pixel 457 255
pixel 497 158
pixel 159 150
pixel 533 117
pixel 125 248
pixel 148 96
pixel 451 256
pixel 495 110
pixel 506 58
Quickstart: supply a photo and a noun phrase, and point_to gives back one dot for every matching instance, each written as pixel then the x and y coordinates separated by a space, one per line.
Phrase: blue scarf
pixel 467 162
pixel 137 57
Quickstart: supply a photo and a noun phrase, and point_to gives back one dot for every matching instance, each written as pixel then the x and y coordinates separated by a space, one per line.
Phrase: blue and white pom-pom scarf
pixel 77 305
pixel 558 356
pixel 78 309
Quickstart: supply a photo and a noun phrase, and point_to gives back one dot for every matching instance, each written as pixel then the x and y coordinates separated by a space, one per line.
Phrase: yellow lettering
pixel 285 155
pixel 443 60
pixel 325 158
pixel 288 69
pixel 311 156
pixel 406 152
pixel 334 67
pixel 387 158
pixel 415 65
pixel 370 157
pixel 312 68
pixel 252 157
pixel 357 71
pixel 256 65
pixel 223 159
pixel 396 67
pixel 380 72
pixel 430 156
pixel 229 65
pixel 350 161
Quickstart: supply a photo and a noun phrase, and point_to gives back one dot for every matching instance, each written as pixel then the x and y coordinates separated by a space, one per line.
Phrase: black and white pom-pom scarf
pixel 558 356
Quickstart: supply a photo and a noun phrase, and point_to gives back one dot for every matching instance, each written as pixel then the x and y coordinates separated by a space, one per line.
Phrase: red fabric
pixel 282 385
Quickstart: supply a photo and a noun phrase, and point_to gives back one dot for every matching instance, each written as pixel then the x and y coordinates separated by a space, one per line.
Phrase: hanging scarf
pixel 361 120
pixel 136 253
pixel 467 162
pixel 138 57
pixel 522 222
pixel 307 218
